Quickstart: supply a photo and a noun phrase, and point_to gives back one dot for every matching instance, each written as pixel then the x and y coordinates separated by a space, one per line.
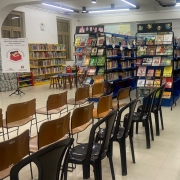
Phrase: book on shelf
pixel 81 70
pixel 100 41
pixel 93 42
pixel 94 51
pixel 91 71
pixel 144 92
pixel 112 64
pixel 168 82
pixel 88 50
pixel 156 61
pixel 87 81
pixel 147 61
pixel 93 61
pixel 151 50
pixel 141 51
pixel 100 52
pixel 140 82
pixel 159 39
pixel 88 41
pixel 166 95
pixel 160 50
pixel 166 61
pixel 157 82
pixel 140 41
pixel 77 41
pixel 168 38
pixel 167 71
pixel 150 73
pixel 150 40
pixel 158 73
pixel 101 71
pixel 168 50
pixel 139 61
pixel 86 61
pixel 79 51
pixel 149 83
pixel 100 61
pixel 141 71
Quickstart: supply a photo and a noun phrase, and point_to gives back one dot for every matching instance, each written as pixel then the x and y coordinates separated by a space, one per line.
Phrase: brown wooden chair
pixel 103 107
pixel 55 104
pixel 123 94
pixel 81 96
pixel 50 132
pixel 1 124
pixel 13 151
pixel 81 118
pixel 20 114
pixel 97 90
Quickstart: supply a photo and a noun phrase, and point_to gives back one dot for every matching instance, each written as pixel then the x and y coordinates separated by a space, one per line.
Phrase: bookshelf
pixel 46 60
pixel 25 79
pixel 156 61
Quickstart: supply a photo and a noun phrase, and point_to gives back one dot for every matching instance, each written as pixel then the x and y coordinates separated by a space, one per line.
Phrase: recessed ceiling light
pixel 93 1
pixel 84 9
pixel 16 17
pixel 129 3
pixel 108 10
pixel 65 9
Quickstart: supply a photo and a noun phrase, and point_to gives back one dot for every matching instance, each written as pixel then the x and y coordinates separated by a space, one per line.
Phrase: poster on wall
pixel 14 55
pixel 89 29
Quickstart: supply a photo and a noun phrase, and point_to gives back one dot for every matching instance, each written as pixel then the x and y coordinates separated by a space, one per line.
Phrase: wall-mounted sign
pixel 158 27
pixel 89 29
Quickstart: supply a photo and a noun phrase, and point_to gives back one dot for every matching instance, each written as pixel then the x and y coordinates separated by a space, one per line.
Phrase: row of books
pixel 119 41
pixel 97 61
pixel 176 64
pixel 154 50
pixel 41 71
pixel 8 85
pixel 166 73
pixel 54 62
pixel 158 39
pixel 112 64
pixel 47 47
pixel 92 71
pixel 155 61
pixel 41 55
pixel 176 52
pixel 25 84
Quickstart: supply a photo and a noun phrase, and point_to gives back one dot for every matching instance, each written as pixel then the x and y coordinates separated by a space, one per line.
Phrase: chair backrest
pixel 13 150
pixel 19 111
pixel 98 88
pixel 124 93
pixel 127 124
pixel 82 115
pixel 109 122
pixel 160 93
pixel 104 104
pixel 56 100
pixel 82 93
pixel 1 118
pixel 48 161
pixel 52 131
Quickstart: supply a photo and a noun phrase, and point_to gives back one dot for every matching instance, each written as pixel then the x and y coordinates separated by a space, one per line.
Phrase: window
pixel 13 25
pixel 63 27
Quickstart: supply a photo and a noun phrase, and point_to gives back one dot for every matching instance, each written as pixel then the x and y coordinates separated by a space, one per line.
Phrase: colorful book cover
pixel 160 50
pixel 141 71
pixel 100 52
pixel 151 50
pixel 147 61
pixel 100 41
pixel 88 50
pixel 168 50
pixel 159 39
pixel 166 95
pixel 140 82
pixel 91 71
pixel 139 61
pixel 77 41
pixel 167 71
pixel 157 83
pixel 87 81
pixel 150 72
pixel 86 61
pixel 88 41
pixel 93 61
pixel 158 73
pixel 94 51
pixel 149 83
pixel 144 92
pixel 141 51
pixel 140 41
pixel 150 40
pixel 167 39
pixel 101 61
pixel 101 71
pixel 166 61
pixel 169 82
pixel 81 70
pixel 156 61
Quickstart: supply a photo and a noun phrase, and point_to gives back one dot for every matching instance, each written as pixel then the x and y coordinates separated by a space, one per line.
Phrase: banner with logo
pixel 14 55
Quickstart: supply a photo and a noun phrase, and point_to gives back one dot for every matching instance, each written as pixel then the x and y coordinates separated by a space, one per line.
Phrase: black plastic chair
pixel 48 161
pixel 144 117
pixel 156 109
pixel 120 134
pixel 92 153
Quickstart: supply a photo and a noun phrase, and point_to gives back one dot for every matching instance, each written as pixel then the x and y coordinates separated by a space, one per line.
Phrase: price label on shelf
pixel 121 48
pixel 113 45
pixel 134 42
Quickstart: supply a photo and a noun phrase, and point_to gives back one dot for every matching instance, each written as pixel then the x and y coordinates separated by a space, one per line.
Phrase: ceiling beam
pixel 164 5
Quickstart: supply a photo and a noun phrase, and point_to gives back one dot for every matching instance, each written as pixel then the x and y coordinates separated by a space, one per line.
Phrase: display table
pixel 67 77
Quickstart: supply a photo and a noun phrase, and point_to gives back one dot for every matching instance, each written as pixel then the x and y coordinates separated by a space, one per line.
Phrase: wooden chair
pixel 123 94
pixel 81 96
pixel 81 118
pixel 54 81
pixel 97 90
pixel 12 151
pixel 50 132
pixel 55 104
pixel 20 114
pixel 1 124
pixel 103 107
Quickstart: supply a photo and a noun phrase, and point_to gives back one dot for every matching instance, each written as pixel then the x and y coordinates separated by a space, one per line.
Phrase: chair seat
pixel 5 173
pixel 33 144
pixel 78 153
pixel 115 106
pixel 136 116
pixel 101 115
pixel 53 111
pixel 139 109
pixel 97 95
pixel 80 128
pixel 73 102
pixel 17 123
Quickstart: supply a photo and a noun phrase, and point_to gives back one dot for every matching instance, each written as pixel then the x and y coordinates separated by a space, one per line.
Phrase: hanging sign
pixel 14 55
pixel 89 29
pixel 158 27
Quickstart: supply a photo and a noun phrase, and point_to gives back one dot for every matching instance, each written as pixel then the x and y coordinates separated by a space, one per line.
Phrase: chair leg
pixel 31 171
pixel 97 170
pixel 132 148
pixel 7 133
pixel 17 131
pixel 3 133
pixel 161 116
pixel 111 165
pixel 151 127
pixel 137 124
pixel 147 134
pixel 36 123
pixel 86 171
pixel 156 116
pixel 30 128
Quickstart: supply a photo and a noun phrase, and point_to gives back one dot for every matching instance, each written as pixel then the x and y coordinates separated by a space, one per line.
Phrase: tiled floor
pixel 161 162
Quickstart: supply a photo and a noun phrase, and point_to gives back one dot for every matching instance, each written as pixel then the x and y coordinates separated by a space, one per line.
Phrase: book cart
pixel 155 61
pixel 104 56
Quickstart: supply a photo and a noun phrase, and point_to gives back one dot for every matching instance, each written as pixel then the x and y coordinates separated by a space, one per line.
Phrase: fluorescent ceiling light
pixel 15 17
pixel 177 4
pixel 84 9
pixel 93 1
pixel 129 3
pixel 109 10
pixel 58 7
